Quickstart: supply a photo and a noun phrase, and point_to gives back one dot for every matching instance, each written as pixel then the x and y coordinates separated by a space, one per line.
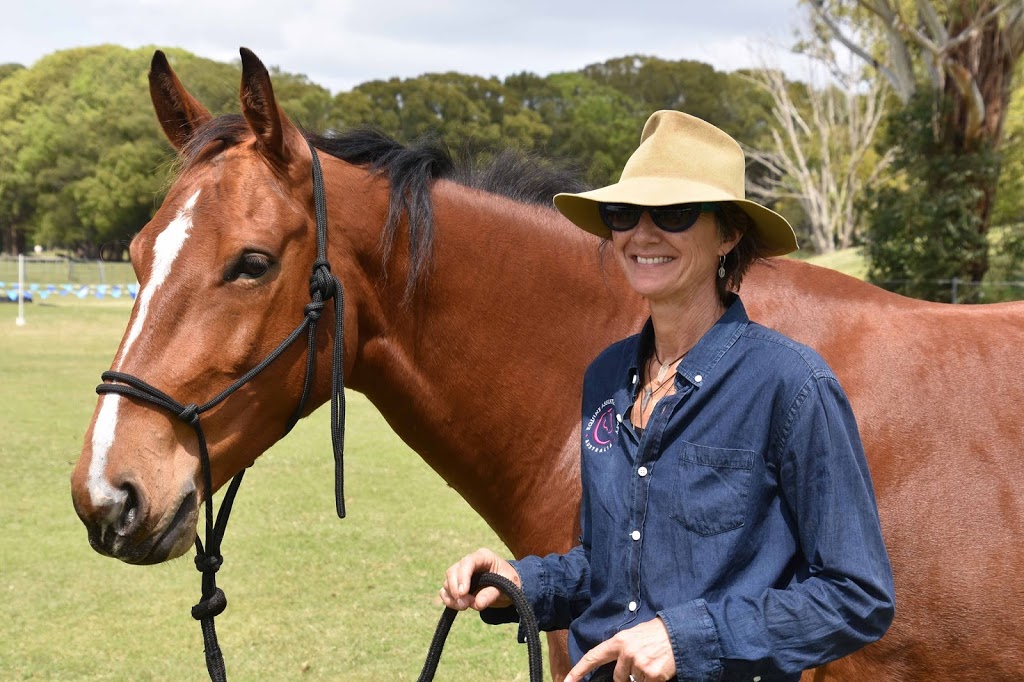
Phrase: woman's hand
pixel 644 654
pixel 455 591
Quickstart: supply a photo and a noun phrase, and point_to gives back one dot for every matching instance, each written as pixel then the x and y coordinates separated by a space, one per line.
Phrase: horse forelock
pixel 411 170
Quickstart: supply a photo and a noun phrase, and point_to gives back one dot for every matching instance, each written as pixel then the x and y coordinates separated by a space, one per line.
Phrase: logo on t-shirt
pixel 599 433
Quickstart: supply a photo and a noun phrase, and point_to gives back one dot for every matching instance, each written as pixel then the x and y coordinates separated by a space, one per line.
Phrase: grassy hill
pixel 850 261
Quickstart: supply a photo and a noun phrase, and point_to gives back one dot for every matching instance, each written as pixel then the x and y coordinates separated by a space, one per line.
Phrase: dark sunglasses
pixel 675 218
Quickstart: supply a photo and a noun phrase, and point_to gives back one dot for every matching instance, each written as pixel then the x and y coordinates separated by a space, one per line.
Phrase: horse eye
pixel 250 266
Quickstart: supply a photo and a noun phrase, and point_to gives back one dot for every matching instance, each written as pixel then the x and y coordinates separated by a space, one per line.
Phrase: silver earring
pixel 721 267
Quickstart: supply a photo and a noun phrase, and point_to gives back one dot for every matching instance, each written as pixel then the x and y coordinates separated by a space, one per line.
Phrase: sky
pixel 341 43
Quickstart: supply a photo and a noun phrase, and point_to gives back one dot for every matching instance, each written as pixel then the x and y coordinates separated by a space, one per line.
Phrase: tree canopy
pixel 83 163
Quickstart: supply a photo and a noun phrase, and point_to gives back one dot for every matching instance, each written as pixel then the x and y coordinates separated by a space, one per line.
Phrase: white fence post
pixel 21 291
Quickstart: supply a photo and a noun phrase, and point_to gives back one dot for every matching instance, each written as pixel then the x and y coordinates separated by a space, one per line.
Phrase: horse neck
pixel 480 371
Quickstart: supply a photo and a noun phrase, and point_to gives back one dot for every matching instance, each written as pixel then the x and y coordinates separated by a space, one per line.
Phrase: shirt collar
pixel 697 364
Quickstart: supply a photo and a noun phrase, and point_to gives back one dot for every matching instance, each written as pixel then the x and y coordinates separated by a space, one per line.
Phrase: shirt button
pixel 757 679
pixel 635 535
pixel 634 379
pixel 642 471
pixel 697 379
pixel 618 418
pixel 632 606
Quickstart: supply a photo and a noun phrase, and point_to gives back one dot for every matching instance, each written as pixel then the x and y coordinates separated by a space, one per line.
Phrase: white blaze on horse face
pixel 165 250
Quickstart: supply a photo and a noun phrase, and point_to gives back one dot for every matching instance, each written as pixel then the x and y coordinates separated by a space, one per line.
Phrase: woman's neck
pixel 679 325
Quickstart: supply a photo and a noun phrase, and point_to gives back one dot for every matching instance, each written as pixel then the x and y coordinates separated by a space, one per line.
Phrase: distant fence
pixel 46 277
pixel 966 291
pixel 67 271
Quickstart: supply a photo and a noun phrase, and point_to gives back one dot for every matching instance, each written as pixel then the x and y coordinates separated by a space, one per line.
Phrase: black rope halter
pixel 323 285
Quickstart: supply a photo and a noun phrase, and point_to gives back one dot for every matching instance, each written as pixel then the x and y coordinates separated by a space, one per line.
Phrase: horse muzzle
pixel 123 526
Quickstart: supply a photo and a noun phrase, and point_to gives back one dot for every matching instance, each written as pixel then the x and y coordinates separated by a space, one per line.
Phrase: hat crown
pixel 677 146
pixel 681 159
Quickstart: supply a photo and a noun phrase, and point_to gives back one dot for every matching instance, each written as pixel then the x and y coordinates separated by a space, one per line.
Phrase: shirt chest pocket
pixel 711 487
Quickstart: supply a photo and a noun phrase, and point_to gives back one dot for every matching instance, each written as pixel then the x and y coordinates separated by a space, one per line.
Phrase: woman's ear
pixel 729 243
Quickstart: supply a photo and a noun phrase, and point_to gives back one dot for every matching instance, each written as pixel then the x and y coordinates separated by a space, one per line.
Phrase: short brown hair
pixel 731 219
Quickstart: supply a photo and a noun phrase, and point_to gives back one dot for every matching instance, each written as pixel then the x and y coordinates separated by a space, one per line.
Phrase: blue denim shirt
pixel 743 516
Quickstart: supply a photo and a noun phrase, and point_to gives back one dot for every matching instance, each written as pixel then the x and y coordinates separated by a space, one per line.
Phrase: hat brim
pixel 774 231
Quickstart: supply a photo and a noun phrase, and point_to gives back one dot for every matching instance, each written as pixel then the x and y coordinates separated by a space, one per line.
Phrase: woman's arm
pixel 842 596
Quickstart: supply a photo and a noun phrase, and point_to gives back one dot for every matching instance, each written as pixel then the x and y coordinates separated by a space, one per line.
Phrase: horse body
pixel 936 394
pixel 479 369
pixel 480 372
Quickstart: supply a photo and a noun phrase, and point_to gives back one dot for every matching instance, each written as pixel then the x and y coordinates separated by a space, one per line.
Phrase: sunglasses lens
pixel 620 217
pixel 676 218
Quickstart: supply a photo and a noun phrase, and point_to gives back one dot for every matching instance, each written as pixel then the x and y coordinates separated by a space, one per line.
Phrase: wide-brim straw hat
pixel 681 159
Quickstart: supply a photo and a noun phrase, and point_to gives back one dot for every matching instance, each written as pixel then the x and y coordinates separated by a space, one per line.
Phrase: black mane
pixel 411 169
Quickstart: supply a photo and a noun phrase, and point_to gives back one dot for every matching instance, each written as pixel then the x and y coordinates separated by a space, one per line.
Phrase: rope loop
pixel 211 607
pixel 190 414
pixel 314 310
pixel 208 563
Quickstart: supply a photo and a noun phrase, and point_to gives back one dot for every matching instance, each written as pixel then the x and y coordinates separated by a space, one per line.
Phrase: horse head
pixel 224 268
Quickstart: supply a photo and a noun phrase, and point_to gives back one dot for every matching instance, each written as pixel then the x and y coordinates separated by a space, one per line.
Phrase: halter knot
pixel 208 563
pixel 190 414
pixel 321 281
pixel 314 309
pixel 210 607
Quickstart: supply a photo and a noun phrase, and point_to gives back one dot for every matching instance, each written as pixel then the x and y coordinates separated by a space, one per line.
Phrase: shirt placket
pixel 642 476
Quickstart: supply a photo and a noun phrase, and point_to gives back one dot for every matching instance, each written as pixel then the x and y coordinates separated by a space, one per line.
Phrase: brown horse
pixel 470 328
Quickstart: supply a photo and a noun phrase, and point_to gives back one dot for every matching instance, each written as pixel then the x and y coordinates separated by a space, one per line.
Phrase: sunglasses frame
pixel 654 211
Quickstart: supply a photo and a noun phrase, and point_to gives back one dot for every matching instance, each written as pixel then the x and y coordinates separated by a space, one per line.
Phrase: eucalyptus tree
pixel 960 57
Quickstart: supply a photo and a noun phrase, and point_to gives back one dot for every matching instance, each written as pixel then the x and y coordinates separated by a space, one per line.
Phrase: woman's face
pixel 671 266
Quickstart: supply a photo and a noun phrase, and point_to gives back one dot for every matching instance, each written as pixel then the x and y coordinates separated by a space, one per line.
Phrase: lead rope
pixel 527 621
pixel 323 285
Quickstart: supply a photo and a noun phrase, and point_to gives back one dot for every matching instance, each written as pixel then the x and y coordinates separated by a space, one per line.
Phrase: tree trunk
pixel 969 51
pixel 980 69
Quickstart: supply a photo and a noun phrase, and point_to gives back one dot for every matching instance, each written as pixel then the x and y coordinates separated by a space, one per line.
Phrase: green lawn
pixel 310 596
pixel 849 261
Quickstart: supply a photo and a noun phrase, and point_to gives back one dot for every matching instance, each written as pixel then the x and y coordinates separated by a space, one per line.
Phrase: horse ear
pixel 179 113
pixel 274 132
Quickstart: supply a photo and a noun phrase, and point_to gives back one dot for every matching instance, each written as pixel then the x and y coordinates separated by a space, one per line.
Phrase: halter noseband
pixel 323 285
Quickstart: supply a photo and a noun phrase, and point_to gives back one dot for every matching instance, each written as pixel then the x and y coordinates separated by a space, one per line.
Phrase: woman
pixel 729 526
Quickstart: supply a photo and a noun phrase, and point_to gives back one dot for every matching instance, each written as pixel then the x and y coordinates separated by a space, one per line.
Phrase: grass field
pixel 310 597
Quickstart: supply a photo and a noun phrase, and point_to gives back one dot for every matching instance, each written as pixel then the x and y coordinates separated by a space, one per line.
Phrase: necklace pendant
pixel 661 373
pixel 645 399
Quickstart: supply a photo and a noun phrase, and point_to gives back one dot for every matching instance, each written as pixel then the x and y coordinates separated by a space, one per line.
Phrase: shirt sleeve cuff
pixel 531 574
pixel 695 643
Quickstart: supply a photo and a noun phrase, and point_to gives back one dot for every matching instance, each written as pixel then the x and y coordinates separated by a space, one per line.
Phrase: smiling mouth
pixel 657 260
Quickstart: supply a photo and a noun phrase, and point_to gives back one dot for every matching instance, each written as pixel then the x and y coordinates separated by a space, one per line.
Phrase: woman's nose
pixel 646 229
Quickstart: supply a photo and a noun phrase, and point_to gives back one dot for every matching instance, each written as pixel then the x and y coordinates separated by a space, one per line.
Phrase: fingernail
pixel 462 587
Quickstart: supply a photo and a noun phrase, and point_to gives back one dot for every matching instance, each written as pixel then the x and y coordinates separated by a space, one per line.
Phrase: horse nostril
pixel 129 515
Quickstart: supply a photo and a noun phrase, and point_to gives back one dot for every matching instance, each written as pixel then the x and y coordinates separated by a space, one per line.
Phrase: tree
pixel 82 160
pixel 1009 208
pixel 962 55
pixel 594 125
pixel 934 184
pixel 9 69
pixel 694 87
pixel 475 111
pixel 821 150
